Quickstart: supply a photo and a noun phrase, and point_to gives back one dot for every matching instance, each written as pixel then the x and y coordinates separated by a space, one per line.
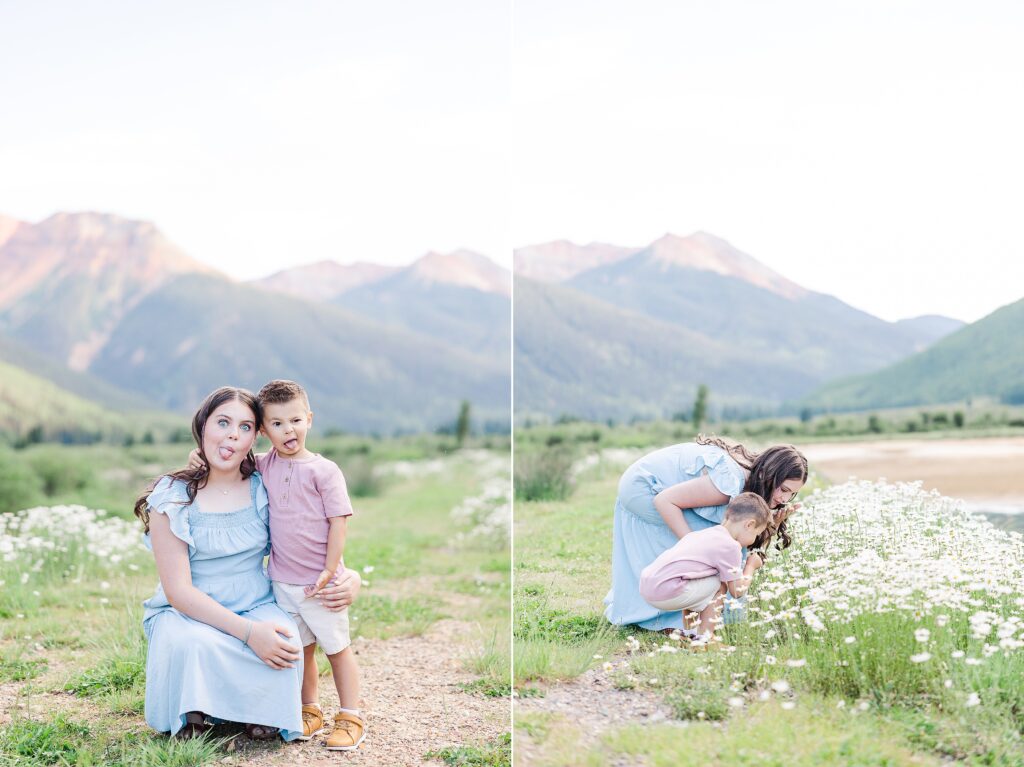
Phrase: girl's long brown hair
pixel 768 470
pixel 196 478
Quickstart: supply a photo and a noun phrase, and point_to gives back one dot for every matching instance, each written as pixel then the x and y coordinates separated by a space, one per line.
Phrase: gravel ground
pixel 594 705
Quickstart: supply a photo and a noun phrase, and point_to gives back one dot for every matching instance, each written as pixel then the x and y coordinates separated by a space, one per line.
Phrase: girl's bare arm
pixel 691 494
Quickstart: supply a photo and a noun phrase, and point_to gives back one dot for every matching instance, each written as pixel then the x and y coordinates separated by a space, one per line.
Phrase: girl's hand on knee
pixel 266 640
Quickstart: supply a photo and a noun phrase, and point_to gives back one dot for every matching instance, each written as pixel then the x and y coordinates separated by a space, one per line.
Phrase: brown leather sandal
pixel 261 731
pixel 195 726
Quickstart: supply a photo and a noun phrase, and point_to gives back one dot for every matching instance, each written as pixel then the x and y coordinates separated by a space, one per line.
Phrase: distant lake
pixel 988 474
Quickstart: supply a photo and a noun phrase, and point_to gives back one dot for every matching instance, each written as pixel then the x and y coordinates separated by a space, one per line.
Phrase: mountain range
pixel 985 358
pixel 634 331
pixel 379 348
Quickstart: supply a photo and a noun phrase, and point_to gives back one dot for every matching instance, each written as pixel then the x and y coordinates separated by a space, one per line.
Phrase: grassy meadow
pixel 430 537
pixel 890 633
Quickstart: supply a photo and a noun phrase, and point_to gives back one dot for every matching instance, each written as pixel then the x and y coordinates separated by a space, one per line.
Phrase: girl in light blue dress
pixel 681 488
pixel 220 648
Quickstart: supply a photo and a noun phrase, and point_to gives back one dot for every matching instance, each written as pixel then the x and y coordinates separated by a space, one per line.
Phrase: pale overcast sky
pixel 259 135
pixel 865 149
pixel 871 150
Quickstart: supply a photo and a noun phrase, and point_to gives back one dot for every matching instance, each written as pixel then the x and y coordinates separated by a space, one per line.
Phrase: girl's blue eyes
pixel 223 423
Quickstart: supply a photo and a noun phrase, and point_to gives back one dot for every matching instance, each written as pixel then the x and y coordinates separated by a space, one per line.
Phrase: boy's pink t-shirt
pixel 699 554
pixel 304 494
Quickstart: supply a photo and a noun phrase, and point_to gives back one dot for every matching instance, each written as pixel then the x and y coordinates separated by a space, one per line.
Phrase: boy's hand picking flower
pixel 321 581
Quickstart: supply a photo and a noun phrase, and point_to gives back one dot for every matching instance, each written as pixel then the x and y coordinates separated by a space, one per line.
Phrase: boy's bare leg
pixel 690 620
pixel 709 614
pixel 310 676
pixel 346 677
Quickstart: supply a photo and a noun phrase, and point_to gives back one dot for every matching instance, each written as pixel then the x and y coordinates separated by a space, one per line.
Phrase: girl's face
pixel 228 435
pixel 785 493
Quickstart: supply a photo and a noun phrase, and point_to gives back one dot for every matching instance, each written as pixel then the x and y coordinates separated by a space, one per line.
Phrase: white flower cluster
pixel 46 530
pixel 613 457
pixel 489 513
pixel 868 548
pixel 411 469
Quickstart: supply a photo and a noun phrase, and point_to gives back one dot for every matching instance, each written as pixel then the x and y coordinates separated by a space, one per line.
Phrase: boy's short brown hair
pixel 279 391
pixel 749 505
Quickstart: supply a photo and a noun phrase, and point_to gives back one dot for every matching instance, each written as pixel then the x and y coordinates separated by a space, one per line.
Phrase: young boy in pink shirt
pixel 309 506
pixel 693 575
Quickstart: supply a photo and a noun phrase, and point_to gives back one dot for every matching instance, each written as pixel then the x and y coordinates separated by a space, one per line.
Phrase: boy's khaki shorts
pixel 696 594
pixel 316 623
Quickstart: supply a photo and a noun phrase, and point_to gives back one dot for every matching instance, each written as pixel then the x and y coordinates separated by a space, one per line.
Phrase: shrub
pixel 20 487
pixel 544 476
pixel 60 472
pixel 361 479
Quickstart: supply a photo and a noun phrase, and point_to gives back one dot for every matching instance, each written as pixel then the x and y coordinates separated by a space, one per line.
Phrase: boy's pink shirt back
pixel 702 553
pixel 304 494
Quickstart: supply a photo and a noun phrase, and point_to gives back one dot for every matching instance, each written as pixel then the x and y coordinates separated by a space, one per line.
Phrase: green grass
pixel 494 753
pixel 16 669
pixel 561 577
pixel 64 741
pixel 488 687
pixel 383 617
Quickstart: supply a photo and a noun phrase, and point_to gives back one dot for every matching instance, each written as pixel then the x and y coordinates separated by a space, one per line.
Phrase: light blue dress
pixel 192 666
pixel 640 534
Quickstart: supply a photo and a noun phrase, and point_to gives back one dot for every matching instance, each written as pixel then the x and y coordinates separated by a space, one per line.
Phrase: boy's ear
pixel 309 418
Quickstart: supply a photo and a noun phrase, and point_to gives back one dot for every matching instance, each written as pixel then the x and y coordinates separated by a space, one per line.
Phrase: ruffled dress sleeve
pixel 170 497
pixel 725 474
pixel 261 499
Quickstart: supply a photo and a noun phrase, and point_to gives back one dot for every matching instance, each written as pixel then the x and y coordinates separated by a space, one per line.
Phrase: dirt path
pixel 413 705
pixel 987 473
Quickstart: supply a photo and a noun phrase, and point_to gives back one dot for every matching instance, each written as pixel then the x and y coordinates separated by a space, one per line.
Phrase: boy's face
pixel 749 531
pixel 286 425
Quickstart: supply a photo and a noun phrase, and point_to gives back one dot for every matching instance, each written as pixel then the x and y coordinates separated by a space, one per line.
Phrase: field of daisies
pixel 890 632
